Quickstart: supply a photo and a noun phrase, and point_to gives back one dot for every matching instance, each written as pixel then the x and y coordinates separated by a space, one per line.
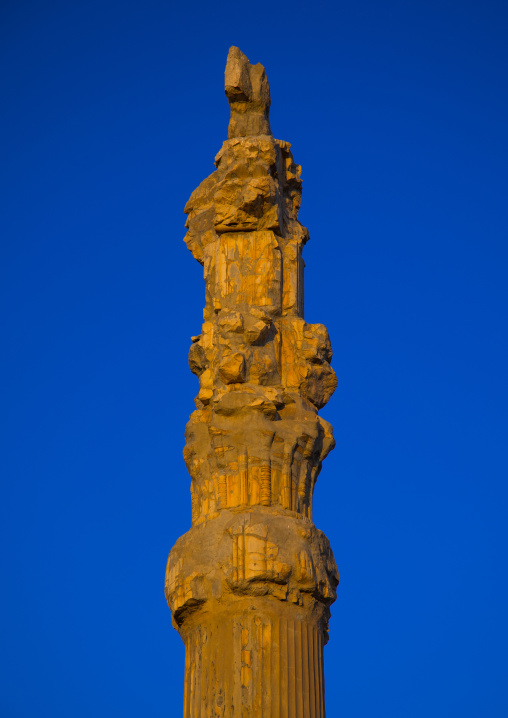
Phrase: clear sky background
pixel 112 113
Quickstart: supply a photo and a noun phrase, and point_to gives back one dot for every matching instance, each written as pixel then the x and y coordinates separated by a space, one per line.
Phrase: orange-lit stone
pixel 251 583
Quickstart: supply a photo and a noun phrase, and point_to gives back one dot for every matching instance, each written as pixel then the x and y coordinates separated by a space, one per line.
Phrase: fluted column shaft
pixel 253 661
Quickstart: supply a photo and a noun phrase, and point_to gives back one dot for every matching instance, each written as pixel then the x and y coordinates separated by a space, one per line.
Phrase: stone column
pixel 251 583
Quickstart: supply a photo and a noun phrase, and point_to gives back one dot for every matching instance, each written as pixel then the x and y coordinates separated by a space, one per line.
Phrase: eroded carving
pixel 255 442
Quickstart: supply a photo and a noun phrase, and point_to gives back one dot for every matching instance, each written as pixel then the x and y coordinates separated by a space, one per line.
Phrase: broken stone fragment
pixel 248 93
pixel 231 322
pixel 232 369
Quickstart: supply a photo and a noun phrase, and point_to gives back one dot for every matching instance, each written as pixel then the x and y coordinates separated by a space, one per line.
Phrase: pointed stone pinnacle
pixel 248 92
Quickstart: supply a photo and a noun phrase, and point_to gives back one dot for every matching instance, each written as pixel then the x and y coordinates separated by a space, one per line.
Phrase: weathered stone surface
pixel 253 565
pixel 251 553
pixel 248 93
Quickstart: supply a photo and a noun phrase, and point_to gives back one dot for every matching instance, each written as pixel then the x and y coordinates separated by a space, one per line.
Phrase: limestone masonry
pixel 251 583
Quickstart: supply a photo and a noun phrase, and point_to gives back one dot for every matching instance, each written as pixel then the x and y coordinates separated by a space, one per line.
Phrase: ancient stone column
pixel 251 583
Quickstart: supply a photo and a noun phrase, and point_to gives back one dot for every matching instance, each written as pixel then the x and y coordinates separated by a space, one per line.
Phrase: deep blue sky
pixel 112 113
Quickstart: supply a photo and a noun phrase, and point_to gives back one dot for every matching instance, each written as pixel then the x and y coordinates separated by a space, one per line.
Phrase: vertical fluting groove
pixel 308 490
pixel 210 698
pixel 204 673
pixel 220 683
pixel 197 673
pixel 316 672
pixel 291 666
pixel 268 651
pixel 293 477
pixel 235 558
pixel 236 669
pixel 241 556
pixel 276 672
pixel 196 685
pixel 307 658
pixel 209 687
pixel 311 492
pixel 275 484
pixel 302 469
pixel 188 677
pixel 243 475
pixel 284 688
pixel 186 692
pixel 312 673
pixel 315 632
pixel 286 482
pixel 261 667
pixel 299 683
pixel 192 675
pixel 223 491
pixel 319 670
pixel 225 640
pixel 217 675
pixel 266 487
pixel 305 669
pixel 321 676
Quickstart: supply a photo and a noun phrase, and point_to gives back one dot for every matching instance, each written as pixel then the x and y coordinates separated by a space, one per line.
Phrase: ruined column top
pixel 251 583
pixel 248 92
